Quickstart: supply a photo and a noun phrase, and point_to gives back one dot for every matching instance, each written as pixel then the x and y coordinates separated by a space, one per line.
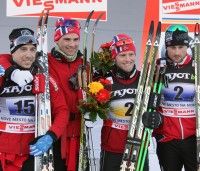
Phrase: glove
pixel 2 71
pixel 41 146
pixel 152 120
pixel 88 121
pixel 22 78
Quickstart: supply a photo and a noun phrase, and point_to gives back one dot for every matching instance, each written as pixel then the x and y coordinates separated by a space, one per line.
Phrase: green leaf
pixel 93 116
pixel 102 114
pixel 102 61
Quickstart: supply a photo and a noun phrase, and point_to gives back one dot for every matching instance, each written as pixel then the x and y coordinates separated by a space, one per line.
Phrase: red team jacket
pixel 179 120
pixel 18 143
pixel 63 71
pixel 115 128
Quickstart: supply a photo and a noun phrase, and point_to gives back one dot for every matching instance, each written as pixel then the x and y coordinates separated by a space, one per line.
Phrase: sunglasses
pixel 179 27
pixel 22 40
pixel 123 42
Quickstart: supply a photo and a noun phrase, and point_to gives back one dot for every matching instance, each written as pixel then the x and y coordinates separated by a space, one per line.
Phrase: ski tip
pixel 46 17
pixel 47 12
pixel 152 22
pixel 100 16
pixel 151 30
pixel 196 29
pixel 97 20
pixel 88 20
pixel 158 31
pixel 89 16
pixel 40 18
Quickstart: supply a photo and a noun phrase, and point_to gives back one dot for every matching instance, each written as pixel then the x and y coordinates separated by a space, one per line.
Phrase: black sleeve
pixel 53 135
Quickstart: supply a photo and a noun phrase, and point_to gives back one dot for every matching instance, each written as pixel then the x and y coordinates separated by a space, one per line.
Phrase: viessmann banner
pixel 182 11
pixel 78 9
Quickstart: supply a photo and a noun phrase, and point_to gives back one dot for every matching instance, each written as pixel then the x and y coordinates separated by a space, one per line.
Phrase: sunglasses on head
pixel 179 27
pixel 22 40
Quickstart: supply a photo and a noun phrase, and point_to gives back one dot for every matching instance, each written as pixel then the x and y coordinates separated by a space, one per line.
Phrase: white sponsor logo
pixel 123 92
pixel 16 89
pixel 172 76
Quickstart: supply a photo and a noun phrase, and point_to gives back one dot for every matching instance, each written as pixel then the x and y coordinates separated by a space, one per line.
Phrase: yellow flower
pixel 95 87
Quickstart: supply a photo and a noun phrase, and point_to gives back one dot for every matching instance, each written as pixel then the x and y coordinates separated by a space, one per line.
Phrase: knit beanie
pixel 122 43
pixel 64 26
pixel 21 36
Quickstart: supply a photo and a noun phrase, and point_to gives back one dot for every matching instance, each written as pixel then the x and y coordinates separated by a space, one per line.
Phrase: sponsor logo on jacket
pixel 124 92
pixel 186 76
pixel 16 89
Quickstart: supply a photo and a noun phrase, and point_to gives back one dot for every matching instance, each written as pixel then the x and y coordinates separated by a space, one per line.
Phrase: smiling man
pixel 18 107
pixel 64 62
pixel 124 77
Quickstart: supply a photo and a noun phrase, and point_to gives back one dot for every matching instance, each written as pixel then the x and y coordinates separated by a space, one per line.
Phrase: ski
pixel 197 87
pixel 89 139
pixel 145 99
pixel 157 86
pixel 136 127
pixel 92 44
pixel 82 70
pixel 85 37
pixel 128 146
pixel 83 82
pixel 43 108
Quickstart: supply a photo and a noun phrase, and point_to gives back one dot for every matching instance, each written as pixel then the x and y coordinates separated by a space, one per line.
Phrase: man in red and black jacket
pixel 176 140
pixel 124 79
pixel 17 109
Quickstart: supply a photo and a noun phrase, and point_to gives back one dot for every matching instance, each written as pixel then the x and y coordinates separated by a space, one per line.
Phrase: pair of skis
pixel 157 86
pixel 43 107
pixel 196 54
pixel 136 128
pixel 84 77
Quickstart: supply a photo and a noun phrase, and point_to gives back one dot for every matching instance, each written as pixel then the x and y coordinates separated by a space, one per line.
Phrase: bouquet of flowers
pixel 102 61
pixel 98 99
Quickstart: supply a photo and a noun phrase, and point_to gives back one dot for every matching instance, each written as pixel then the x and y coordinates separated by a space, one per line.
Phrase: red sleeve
pixel 5 63
pixel 5 60
pixel 1 81
pixel 59 109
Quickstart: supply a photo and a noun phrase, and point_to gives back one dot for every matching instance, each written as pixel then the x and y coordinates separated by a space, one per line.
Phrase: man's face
pixel 69 43
pixel 125 60
pixel 177 53
pixel 25 56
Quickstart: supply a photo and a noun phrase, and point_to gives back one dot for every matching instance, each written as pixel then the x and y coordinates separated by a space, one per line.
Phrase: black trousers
pixel 111 161
pixel 175 154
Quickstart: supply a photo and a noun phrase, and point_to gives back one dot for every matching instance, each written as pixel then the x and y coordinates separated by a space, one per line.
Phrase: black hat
pixel 21 36
pixel 177 34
